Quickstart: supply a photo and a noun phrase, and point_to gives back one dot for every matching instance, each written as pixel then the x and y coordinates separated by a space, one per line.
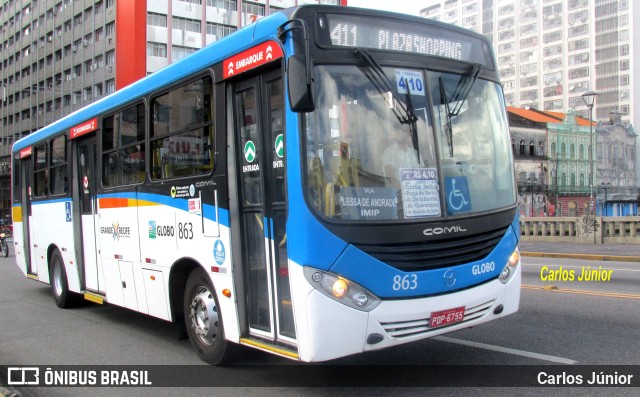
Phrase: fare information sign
pixel 256 56
pixel 420 194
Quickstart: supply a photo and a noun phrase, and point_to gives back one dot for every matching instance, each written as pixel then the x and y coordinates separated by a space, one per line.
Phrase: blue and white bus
pixel 323 182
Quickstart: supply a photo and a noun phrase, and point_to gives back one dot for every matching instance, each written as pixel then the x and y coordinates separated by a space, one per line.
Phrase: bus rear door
pixel 26 169
pixel 261 240
pixel 85 204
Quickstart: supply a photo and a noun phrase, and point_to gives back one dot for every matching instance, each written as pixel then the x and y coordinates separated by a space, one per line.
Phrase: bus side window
pixel 17 183
pixel 182 141
pixel 41 174
pixel 123 147
pixel 58 169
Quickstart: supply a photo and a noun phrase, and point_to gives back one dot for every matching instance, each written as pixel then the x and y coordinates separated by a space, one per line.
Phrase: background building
pixel 549 52
pixel 529 146
pixel 618 194
pixel 57 56
pixel 551 152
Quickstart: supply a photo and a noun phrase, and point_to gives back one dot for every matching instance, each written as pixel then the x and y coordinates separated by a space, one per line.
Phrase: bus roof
pixel 263 29
pixel 201 59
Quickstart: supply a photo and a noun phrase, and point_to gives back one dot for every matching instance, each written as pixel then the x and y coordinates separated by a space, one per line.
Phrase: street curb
pixel 588 257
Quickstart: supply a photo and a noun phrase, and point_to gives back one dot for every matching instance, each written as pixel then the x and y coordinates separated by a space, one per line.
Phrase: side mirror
pixel 300 83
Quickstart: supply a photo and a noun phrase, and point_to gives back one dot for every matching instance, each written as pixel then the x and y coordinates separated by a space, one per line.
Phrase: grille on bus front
pixel 420 326
pixel 434 255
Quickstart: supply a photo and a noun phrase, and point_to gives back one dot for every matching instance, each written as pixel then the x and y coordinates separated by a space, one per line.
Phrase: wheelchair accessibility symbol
pixel 457 191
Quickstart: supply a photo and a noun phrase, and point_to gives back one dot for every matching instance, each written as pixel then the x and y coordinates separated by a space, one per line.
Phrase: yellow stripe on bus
pixel 17 213
pixel 270 348
pixel 94 298
pixel 145 203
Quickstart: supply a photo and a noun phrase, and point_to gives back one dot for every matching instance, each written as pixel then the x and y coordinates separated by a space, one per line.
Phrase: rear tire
pixel 59 286
pixel 203 321
pixel 5 249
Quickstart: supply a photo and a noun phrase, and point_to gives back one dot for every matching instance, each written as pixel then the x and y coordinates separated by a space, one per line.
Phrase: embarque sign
pixel 252 58
pixel 84 128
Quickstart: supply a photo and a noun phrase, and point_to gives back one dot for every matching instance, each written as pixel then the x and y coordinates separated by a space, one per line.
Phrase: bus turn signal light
pixel 340 288
pixel 515 258
pixel 226 292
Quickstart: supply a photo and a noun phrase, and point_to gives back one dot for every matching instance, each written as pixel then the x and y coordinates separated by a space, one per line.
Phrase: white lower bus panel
pixel 328 329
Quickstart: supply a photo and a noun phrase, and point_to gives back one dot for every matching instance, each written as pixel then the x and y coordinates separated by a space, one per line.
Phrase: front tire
pixel 203 321
pixel 59 286
pixel 5 249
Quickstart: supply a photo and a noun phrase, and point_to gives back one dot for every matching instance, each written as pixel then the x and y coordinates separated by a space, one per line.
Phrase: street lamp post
pixel 605 187
pixel 589 99
pixel 532 180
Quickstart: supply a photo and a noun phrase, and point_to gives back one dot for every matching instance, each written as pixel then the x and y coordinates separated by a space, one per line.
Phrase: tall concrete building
pixel 550 52
pixel 57 56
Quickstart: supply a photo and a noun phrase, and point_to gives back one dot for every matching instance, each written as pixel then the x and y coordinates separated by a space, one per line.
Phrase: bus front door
pixel 260 171
pixel 85 198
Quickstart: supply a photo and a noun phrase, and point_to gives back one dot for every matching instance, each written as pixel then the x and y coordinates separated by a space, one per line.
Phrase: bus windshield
pixel 368 161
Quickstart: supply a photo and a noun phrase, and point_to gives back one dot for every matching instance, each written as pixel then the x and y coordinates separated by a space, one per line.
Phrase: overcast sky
pixel 411 7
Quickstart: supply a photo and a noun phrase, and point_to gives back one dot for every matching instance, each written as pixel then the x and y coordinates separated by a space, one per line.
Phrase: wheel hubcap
pixel 57 279
pixel 204 315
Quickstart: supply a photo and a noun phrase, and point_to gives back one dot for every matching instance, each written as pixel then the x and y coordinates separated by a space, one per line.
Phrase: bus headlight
pixel 510 267
pixel 342 290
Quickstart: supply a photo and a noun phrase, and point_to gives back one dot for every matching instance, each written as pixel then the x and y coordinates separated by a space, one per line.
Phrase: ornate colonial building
pixel 553 166
pixel 616 158
pixel 570 143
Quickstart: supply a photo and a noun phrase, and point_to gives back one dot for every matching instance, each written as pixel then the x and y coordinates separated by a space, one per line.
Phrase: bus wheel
pixel 59 285
pixel 204 324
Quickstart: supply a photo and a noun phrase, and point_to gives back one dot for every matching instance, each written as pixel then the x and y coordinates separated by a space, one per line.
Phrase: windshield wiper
pixel 413 126
pixel 459 96
pixel 463 88
pixel 448 133
pixel 382 83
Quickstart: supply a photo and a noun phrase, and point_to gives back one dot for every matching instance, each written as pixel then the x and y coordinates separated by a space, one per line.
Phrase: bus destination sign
pixel 357 31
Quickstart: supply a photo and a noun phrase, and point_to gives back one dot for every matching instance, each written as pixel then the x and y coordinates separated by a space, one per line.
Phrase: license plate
pixel 446 317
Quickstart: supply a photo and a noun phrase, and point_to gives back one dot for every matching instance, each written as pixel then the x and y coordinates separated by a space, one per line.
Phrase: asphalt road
pixel 584 323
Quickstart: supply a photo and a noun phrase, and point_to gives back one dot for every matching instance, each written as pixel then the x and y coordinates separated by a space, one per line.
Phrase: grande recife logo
pixel 256 56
